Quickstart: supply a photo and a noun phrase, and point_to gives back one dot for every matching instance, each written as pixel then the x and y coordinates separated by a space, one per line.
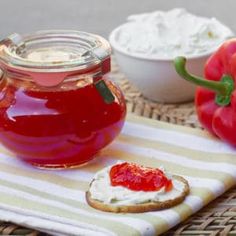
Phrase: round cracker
pixel 141 207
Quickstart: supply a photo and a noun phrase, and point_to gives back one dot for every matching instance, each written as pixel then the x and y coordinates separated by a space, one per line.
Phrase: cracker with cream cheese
pixel 102 196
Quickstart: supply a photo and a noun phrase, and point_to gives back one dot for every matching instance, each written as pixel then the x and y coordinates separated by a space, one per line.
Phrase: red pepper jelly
pixel 139 178
pixel 58 107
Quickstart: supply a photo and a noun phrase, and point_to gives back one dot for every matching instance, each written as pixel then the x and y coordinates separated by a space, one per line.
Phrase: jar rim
pixel 81 50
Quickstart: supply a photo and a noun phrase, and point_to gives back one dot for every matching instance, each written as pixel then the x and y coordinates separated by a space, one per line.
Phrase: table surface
pixel 218 218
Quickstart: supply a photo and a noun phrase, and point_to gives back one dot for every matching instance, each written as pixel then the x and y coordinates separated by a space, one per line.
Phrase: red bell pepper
pixel 215 98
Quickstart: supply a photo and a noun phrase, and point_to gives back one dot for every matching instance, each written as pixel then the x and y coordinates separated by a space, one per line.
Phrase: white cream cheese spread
pixel 102 190
pixel 166 35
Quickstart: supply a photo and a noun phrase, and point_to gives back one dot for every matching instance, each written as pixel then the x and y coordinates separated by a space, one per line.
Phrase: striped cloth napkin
pixel 54 201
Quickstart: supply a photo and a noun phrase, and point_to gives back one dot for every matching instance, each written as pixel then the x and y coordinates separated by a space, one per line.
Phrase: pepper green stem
pixel 223 88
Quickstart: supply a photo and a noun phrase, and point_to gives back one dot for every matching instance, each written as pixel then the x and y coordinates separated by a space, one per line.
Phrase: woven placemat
pixel 182 114
pixel 218 218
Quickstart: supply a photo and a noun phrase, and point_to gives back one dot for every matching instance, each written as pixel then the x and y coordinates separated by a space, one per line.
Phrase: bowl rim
pixel 115 45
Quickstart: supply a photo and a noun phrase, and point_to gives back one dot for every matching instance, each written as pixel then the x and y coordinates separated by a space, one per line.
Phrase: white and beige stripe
pixel 54 201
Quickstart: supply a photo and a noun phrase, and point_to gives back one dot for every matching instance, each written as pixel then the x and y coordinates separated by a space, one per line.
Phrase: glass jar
pixel 58 107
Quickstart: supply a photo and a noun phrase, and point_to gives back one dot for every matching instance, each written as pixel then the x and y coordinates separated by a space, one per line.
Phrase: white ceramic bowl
pixel 157 78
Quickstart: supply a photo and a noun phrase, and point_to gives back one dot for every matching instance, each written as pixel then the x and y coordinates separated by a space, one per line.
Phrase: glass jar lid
pixel 59 51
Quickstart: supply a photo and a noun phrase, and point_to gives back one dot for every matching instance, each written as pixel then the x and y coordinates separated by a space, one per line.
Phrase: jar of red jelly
pixel 58 107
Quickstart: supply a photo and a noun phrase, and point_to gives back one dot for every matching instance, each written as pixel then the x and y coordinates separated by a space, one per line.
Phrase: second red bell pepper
pixel 215 98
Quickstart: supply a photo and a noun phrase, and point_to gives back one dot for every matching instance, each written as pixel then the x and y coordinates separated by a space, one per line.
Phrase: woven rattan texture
pixel 218 218
pixel 182 114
